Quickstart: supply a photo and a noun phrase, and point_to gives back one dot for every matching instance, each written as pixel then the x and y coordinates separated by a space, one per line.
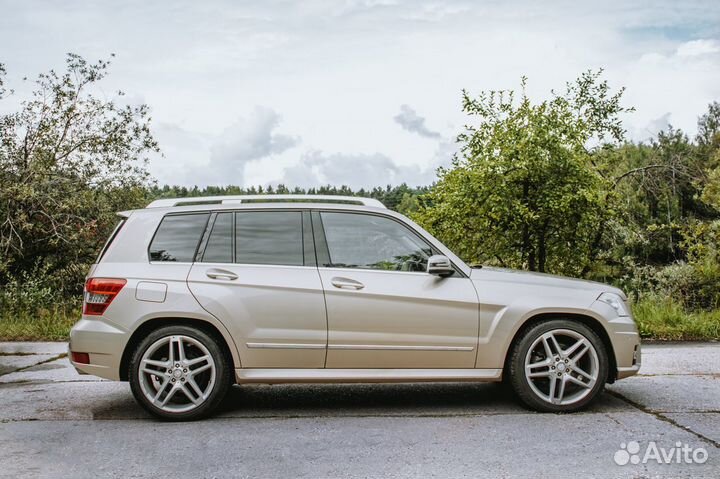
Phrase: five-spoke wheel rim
pixel 562 367
pixel 177 373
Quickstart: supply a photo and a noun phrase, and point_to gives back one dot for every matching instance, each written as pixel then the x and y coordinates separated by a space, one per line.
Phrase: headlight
pixel 615 302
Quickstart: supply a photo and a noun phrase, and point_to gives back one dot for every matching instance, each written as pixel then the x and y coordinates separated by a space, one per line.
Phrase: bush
pixel 694 286
pixel 37 306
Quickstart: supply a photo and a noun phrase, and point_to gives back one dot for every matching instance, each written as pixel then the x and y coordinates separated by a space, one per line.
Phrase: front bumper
pixel 626 345
pixel 103 342
pixel 627 371
pixel 624 338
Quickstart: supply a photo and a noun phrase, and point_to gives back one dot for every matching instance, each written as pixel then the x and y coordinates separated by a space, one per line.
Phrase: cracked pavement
pixel 56 423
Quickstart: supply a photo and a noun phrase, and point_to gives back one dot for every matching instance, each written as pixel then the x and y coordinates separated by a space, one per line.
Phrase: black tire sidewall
pixel 520 383
pixel 223 374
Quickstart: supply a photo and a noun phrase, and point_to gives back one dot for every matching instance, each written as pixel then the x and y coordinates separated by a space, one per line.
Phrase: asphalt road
pixel 55 423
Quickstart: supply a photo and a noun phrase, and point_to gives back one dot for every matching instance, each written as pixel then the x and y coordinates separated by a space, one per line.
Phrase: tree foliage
pixel 526 190
pixel 68 160
pixel 709 142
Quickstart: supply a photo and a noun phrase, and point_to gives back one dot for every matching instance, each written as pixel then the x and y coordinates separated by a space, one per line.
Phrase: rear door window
pixel 269 237
pixel 177 237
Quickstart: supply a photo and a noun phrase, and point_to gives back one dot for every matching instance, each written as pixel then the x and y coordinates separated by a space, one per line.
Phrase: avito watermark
pixel 679 454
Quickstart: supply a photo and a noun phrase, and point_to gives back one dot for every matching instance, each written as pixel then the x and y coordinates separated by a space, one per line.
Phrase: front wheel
pixel 179 373
pixel 558 366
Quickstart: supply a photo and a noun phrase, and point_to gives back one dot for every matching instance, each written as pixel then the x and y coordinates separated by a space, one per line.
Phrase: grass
pixel 663 319
pixel 41 324
pixel 657 318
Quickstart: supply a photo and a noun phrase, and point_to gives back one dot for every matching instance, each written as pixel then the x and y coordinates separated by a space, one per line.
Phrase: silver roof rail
pixel 199 200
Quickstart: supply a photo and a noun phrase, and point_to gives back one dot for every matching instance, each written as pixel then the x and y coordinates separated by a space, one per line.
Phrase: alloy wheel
pixel 177 373
pixel 562 366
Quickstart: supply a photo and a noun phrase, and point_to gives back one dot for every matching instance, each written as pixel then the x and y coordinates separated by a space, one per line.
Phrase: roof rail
pixel 199 200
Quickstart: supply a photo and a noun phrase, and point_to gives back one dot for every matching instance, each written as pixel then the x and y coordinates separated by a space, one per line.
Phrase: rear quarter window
pixel 110 239
pixel 177 237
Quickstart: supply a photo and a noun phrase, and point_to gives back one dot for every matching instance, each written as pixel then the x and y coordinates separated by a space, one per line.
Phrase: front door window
pixel 373 242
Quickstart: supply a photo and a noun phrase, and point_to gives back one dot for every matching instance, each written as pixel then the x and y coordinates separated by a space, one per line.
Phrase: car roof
pixel 235 199
pixel 297 202
pixel 220 203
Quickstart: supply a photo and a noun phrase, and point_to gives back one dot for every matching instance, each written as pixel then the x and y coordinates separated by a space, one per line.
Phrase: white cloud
pixel 181 151
pixel 698 47
pixel 248 139
pixel 356 171
pixel 677 83
pixel 316 168
pixel 437 11
pixel 652 128
pixel 411 121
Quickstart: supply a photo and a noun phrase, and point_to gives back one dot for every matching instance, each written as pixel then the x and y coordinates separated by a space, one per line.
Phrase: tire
pixel 577 365
pixel 189 387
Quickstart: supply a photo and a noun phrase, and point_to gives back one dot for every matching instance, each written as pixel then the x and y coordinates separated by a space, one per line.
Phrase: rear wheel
pixel 558 366
pixel 179 373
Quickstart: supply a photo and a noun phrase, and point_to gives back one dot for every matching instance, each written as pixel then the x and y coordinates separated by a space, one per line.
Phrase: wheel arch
pixel 592 323
pixel 152 324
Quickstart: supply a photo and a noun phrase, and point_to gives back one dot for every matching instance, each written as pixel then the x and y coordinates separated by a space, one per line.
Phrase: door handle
pixel 220 274
pixel 346 283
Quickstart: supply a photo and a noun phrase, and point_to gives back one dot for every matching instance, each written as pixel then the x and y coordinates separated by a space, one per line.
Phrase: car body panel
pixel 509 298
pixel 277 311
pixel 359 375
pixel 400 320
pixel 392 330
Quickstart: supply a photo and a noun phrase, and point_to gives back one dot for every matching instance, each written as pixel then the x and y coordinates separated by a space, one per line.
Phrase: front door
pixel 383 309
pixel 257 274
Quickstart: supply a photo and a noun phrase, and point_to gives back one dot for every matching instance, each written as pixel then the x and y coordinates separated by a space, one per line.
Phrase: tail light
pixel 99 293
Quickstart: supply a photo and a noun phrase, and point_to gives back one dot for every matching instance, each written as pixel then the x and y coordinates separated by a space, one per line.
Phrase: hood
pixel 513 276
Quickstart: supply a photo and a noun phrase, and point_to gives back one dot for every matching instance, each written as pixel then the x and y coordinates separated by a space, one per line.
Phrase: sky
pixel 357 92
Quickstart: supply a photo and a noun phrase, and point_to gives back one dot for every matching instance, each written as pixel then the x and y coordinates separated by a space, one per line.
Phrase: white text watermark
pixel 680 453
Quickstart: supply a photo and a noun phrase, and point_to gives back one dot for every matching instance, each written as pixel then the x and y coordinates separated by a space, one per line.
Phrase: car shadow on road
pixel 417 399
pixel 354 400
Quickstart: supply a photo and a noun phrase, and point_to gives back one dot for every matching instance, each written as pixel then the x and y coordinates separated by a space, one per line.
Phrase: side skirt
pixel 281 376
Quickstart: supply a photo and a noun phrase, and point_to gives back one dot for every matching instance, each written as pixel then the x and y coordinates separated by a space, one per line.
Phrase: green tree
pixel 68 161
pixel 526 190
pixel 711 192
pixel 657 191
pixel 709 142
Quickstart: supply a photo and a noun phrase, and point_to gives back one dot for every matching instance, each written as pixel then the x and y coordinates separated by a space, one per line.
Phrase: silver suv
pixel 190 296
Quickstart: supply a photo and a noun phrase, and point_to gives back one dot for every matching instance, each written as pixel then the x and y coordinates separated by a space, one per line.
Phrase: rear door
pixel 257 273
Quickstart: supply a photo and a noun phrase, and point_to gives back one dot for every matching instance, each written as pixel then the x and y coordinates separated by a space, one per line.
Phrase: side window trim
pixel 205 238
pixel 233 237
pixel 309 255
pixel 322 251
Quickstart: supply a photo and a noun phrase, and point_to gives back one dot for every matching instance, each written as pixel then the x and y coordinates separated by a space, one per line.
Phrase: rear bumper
pixel 103 342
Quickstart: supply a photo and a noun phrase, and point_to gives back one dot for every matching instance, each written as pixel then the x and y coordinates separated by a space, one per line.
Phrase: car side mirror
pixel 440 265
